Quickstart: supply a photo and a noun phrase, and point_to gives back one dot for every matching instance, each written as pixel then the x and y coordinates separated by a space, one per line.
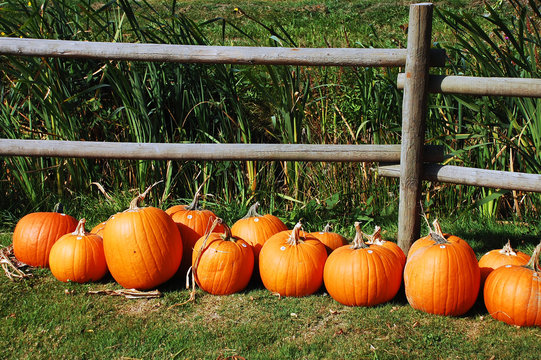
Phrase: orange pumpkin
pixel 442 277
pixel 512 293
pixel 291 263
pixel 78 256
pixel 331 240
pixel 500 257
pixel 362 275
pixel 143 247
pixel 192 223
pixel 35 234
pixel 256 229
pixel 98 229
pixel 222 263
pixel 376 239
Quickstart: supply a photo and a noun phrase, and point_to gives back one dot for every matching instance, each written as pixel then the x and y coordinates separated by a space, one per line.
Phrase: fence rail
pixel 211 54
pixel 472 176
pixel 217 152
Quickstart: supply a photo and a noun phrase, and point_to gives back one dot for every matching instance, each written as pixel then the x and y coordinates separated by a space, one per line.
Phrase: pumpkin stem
pixel 358 242
pixel 508 250
pixel 134 204
pixel 252 212
pixel 194 205
pixel 327 228
pixel 437 233
pixel 80 229
pixel 58 208
pixel 375 238
pixel 534 260
pixel 295 236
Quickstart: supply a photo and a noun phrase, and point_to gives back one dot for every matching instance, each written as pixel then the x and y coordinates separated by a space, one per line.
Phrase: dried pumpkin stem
pixel 508 250
pixel 358 242
pixel 252 212
pixel 58 208
pixel 80 229
pixel 437 233
pixel 295 236
pixel 327 228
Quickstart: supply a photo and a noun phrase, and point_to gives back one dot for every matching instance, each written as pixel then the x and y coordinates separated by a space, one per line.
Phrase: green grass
pixel 43 318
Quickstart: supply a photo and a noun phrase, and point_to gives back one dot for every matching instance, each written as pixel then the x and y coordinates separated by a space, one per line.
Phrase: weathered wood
pixel 472 176
pixel 210 54
pixel 221 152
pixel 482 86
pixel 414 109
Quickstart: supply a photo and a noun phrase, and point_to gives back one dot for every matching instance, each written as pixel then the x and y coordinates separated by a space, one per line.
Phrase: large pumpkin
pixel 500 257
pixel 35 234
pixel 442 277
pixel 256 229
pixel 331 240
pixel 512 293
pixel 143 247
pixel 192 222
pixel 291 263
pixel 78 256
pixel 362 275
pixel 222 263
pixel 376 239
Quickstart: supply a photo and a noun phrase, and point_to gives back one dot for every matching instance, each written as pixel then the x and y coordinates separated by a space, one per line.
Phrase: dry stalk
pixel 12 267
pixel 128 293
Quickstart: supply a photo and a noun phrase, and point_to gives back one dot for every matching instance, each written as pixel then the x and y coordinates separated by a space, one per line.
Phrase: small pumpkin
pixel 35 234
pixel 222 264
pixel 256 229
pixel 512 293
pixel 376 239
pixel 443 276
pixel 142 246
pixel 330 239
pixel 192 222
pixel 98 229
pixel 361 274
pixel 78 256
pixel 500 257
pixel 291 263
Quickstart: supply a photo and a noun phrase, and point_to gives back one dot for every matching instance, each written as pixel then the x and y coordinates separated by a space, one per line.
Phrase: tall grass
pixel 160 102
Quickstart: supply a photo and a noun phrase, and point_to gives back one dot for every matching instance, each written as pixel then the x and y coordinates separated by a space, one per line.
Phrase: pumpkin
pixel 442 277
pixel 222 263
pixel 361 274
pixel 35 234
pixel 512 293
pixel 98 229
pixel 376 239
pixel 500 257
pixel 78 256
pixel 256 229
pixel 291 263
pixel 331 240
pixel 142 246
pixel 192 222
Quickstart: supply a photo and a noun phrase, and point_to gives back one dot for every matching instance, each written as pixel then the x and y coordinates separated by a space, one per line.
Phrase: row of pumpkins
pixel 144 247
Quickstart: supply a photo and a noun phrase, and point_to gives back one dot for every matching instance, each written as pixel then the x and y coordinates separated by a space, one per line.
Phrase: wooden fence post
pixel 414 109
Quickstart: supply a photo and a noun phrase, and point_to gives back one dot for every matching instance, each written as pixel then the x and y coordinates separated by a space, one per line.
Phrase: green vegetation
pixel 156 102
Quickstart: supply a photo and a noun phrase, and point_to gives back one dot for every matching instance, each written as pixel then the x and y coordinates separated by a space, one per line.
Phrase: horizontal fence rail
pixel 223 152
pixel 482 86
pixel 472 176
pixel 211 54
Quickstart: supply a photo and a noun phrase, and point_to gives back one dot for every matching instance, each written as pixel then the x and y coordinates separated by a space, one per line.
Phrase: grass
pixel 43 318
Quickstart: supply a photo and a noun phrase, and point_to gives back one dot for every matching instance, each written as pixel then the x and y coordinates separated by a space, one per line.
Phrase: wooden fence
pixel 413 156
